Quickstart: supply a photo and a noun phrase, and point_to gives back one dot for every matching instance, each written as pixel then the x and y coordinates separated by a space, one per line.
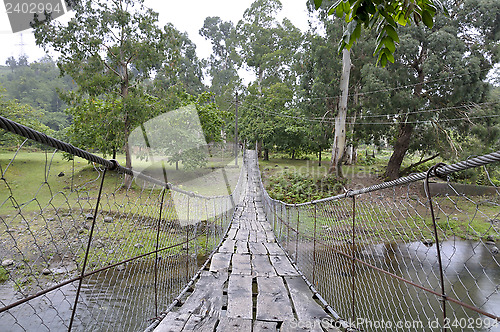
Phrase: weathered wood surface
pixel 273 300
pixel 239 297
pixel 250 283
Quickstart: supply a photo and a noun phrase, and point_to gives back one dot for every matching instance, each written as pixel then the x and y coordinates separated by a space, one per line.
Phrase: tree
pixel 21 113
pixel 186 69
pixel 109 48
pixel 224 60
pixel 267 46
pixel 37 84
pixel 435 79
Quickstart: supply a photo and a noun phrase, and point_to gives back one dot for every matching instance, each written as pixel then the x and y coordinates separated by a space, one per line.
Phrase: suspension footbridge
pixel 85 252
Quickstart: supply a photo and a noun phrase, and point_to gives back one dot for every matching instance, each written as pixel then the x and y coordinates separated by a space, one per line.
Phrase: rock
pixel 46 272
pixel 60 174
pixel 108 219
pixel 276 165
pixel 427 242
pixel 7 262
pixel 89 216
pixel 455 218
pixel 494 250
pixel 490 243
pixel 138 245
pixel 490 238
pixel 286 167
pixel 51 219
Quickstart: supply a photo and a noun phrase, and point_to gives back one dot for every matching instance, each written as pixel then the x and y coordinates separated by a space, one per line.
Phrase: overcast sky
pixel 184 15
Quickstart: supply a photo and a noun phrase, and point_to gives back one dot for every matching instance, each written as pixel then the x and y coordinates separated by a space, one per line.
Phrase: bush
pixel 298 188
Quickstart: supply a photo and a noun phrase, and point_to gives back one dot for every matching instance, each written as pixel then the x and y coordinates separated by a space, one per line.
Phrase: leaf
pixel 332 9
pixel 351 26
pixel 383 59
pixel 317 3
pixel 427 19
pixel 339 12
pixel 401 19
pixel 346 7
pixel 390 56
pixel 389 43
pixel 391 32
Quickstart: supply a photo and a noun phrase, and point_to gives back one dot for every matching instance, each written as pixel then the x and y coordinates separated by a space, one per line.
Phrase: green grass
pixel 4 275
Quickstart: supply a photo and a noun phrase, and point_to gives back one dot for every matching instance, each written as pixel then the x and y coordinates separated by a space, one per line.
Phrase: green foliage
pixel 109 49
pixel 292 187
pixel 224 59
pixel 37 84
pixel 4 275
pixel 20 113
pixel 384 17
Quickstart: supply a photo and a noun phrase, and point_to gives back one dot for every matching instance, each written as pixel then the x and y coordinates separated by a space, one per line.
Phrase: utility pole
pixel 236 145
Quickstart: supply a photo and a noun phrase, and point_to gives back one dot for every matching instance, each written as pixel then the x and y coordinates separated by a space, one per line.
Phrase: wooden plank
pixel 261 237
pixel 173 322
pixel 234 325
pixel 306 307
pixel 283 266
pixel 220 262
pixel 227 246
pixel 257 248
pixel 201 324
pixel 273 249
pixel 241 264
pixel 270 236
pixel 242 235
pixel 252 237
pixel 273 302
pixel 232 233
pixel 294 326
pixel 242 247
pixel 262 267
pixel 239 297
pixel 206 300
pixel 259 325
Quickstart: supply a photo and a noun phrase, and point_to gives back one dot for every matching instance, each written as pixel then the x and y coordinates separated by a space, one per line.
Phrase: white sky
pixel 185 16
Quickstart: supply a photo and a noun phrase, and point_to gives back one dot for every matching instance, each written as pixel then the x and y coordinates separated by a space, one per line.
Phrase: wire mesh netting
pixel 372 254
pixel 81 247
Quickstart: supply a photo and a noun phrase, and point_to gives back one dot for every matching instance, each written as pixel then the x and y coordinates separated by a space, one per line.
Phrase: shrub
pixel 294 187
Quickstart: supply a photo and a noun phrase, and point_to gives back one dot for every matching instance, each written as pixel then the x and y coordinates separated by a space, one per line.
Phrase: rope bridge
pixel 84 252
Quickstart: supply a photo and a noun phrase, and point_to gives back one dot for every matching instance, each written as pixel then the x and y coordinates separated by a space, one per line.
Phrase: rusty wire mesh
pixel 141 244
pixel 373 255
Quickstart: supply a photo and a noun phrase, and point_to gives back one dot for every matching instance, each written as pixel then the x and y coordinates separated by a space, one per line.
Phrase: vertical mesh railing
pixel 83 249
pixel 372 254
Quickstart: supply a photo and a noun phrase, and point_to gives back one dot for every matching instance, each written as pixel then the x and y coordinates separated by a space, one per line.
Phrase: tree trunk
pixel 266 154
pixel 340 130
pixel 127 124
pixel 259 149
pixel 319 164
pixel 400 148
pixel 293 154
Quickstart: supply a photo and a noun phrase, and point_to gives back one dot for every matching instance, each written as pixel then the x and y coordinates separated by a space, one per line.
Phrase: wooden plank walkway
pixel 250 284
